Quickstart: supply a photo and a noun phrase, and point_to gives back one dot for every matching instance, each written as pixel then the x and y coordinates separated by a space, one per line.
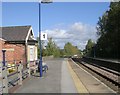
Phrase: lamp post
pixel 42 36
pixel 40 61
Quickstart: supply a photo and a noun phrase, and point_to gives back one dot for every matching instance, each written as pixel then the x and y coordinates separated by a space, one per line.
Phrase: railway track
pixel 109 77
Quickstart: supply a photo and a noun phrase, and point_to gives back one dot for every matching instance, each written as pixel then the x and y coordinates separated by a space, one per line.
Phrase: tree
pixel 56 52
pixel 70 50
pixel 108 28
pixel 62 53
pixel 89 47
pixel 52 49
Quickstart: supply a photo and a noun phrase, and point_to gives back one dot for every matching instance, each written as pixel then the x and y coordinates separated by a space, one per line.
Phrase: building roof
pixel 15 33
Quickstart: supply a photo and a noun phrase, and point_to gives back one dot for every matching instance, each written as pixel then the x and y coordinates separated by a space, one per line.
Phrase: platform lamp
pixel 40 39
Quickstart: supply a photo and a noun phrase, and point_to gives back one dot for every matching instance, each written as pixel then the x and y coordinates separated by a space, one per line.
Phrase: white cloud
pixel 78 26
pixel 77 33
pixel 58 34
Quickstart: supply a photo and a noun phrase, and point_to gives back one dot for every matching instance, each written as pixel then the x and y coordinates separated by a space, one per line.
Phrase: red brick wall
pixel 1 44
pixel 18 53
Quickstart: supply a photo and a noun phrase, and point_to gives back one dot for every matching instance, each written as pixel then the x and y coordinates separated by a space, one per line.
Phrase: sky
pixel 20 14
pixel 63 21
pixel 72 22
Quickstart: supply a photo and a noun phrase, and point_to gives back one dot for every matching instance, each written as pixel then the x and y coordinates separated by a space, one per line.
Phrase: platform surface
pixel 64 77
pixel 56 80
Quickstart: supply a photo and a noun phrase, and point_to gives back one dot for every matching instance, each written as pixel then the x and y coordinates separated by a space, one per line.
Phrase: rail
pixel 101 73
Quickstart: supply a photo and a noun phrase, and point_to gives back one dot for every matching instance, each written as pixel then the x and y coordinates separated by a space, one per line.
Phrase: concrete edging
pixel 78 84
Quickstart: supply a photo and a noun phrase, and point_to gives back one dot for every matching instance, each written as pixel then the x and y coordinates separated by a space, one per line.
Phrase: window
pixel 31 54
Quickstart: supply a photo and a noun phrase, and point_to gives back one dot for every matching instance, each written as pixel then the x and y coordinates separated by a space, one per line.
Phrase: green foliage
pixel 52 49
pixel 108 30
pixel 62 53
pixel 89 47
pixel 70 50
pixel 56 52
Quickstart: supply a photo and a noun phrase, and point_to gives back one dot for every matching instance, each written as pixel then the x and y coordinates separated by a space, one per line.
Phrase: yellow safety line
pixel 79 85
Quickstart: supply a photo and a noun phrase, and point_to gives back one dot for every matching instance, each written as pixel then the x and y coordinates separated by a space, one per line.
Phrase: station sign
pixel 43 36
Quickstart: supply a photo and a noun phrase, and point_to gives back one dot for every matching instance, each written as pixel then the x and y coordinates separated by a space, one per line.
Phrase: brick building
pixel 19 43
pixel 1 44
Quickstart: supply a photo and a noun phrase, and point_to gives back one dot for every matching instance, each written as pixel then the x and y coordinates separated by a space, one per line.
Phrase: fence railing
pixel 13 74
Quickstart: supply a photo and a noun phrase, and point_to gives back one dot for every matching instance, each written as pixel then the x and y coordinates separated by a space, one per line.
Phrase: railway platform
pixel 64 76
pixel 56 80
